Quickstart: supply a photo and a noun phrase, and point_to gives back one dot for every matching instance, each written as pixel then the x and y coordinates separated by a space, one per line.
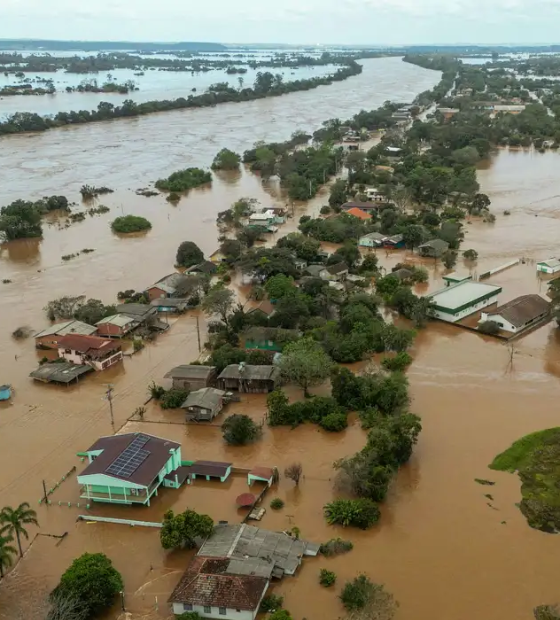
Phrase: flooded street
pixel 443 551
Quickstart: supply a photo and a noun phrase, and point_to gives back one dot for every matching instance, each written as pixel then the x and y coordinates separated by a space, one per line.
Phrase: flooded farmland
pixel 440 548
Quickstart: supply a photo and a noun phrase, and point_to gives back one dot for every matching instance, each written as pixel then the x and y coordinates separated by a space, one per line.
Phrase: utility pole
pixel 45 497
pixel 198 332
pixel 109 395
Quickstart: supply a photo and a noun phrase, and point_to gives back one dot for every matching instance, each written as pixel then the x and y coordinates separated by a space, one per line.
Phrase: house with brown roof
pixel 209 588
pixel 99 353
pixel 129 468
pixel 519 314
pixel 248 378
pixel 204 404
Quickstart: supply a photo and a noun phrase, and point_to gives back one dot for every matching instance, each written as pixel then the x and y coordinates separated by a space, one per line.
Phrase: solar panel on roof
pixel 129 461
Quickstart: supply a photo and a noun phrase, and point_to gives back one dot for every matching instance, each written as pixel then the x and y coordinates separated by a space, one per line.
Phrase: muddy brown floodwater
pixel 440 547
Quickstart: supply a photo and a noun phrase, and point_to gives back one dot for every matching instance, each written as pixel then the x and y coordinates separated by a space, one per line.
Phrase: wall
pixel 231 614
pixel 155 293
pixel 453 318
pixel 108 329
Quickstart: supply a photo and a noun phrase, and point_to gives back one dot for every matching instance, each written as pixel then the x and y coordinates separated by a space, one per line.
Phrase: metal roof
pixel 120 320
pixel 550 262
pixel 250 372
pixel 522 310
pixel 206 398
pixel 68 327
pixel 59 372
pixel 464 293
pixel 190 371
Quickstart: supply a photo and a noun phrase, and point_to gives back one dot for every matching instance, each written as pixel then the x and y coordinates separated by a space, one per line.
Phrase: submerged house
pixel 334 273
pixel 206 267
pixel 129 469
pixel 551 265
pixel 204 404
pixel 116 326
pixel 192 376
pixel 269 338
pixel 519 314
pixel 247 378
pixel 396 242
pixel 99 353
pixel 434 248
pixel 174 285
pixel 48 338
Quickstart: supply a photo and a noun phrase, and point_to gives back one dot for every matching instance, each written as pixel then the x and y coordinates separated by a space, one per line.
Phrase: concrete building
pixel 551 265
pixel 48 338
pixel 520 314
pixel 454 303
pixel 129 468
pixel 99 353
pixel 372 240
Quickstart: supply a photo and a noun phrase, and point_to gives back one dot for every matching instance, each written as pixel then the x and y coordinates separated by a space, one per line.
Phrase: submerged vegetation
pixel 536 459
pixel 130 224
pixel 183 180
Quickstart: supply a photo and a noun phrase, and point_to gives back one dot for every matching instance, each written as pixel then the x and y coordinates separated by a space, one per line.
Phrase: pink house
pixel 100 353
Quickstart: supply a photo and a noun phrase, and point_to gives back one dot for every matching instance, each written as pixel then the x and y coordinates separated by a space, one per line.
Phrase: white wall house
pixel 551 265
pixel 207 611
pixel 454 303
pixel 519 314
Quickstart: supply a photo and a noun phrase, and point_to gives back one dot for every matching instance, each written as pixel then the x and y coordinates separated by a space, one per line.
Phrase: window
pixel 187 607
pixel 207 610
pixel 223 611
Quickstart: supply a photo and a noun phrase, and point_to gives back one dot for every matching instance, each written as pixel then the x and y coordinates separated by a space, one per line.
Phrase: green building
pixel 129 469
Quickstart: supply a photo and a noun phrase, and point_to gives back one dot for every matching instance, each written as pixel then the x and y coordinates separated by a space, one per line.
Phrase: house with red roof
pixel 362 215
pixel 99 353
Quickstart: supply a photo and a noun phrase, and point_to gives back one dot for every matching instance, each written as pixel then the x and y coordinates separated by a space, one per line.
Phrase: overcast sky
pixel 286 21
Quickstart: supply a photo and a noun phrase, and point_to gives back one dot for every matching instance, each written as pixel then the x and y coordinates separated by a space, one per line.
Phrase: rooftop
pixel 207 582
pixel 464 293
pixel 364 206
pixel 436 244
pixel 204 267
pixel 90 345
pixel 120 320
pixel 134 457
pixel 250 372
pixel 206 398
pixel 216 469
pixel 169 302
pixel 135 310
pixel 374 236
pixel 402 273
pixel 550 262
pixel 275 549
pixel 523 309
pixel 190 371
pixel 338 268
pixel 356 212
pixel 177 283
pixel 60 372
pixel 68 327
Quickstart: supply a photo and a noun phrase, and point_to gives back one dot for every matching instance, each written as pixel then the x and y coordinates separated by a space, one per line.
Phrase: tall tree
pixel 6 552
pixel 15 521
pixel 219 301
pixel 305 363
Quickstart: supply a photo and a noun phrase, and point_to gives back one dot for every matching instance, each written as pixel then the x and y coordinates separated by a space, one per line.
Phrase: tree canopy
pixel 305 363
pixel 189 254
pixel 182 530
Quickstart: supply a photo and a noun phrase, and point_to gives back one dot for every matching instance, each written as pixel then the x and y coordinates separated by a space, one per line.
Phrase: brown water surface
pixel 442 548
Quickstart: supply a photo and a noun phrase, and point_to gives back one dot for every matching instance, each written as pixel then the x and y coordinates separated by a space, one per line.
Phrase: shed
pixel 394 243
pixel 60 372
pixel 248 378
pixel 170 305
pixel 269 338
pixel 334 273
pixel 519 314
pixel 206 267
pixel 261 474
pixel 434 248
pixel 455 277
pixel 192 376
pixel 204 404
pixel 210 469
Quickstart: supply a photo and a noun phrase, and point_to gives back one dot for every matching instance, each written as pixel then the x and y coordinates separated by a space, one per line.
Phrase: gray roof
pixel 190 371
pixel 263 550
pixel 206 398
pixel 522 310
pixel 250 372
pixel 175 282
pixel 170 302
pixel 121 320
pixel 314 270
pixel 374 236
pixel 338 268
pixel 66 328
pixel 139 311
pixel 60 372
pixel 436 244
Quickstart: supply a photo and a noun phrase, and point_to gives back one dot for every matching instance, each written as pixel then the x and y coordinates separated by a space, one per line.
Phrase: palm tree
pixel 6 552
pixel 15 520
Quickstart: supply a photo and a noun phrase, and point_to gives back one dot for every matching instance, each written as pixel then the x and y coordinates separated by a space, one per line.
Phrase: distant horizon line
pixel 277 43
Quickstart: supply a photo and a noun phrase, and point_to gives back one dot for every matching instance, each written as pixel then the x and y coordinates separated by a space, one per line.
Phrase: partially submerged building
pixel 48 338
pixel 551 265
pixel 334 273
pixel 129 468
pixel 204 404
pixel 269 338
pixel 99 353
pixel 116 326
pixel 248 378
pixel 207 470
pixel 519 314
pixel 433 249
pixel 192 376
pixel 60 372
pixel 454 303
pixel 372 240
pixel 174 285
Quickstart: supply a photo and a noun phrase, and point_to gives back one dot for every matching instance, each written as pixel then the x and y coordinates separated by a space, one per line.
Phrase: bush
pixel 226 160
pixel 137 345
pixel 130 224
pixel 470 254
pixel 397 363
pixel 189 254
pixel 270 603
pixel 239 430
pixel 316 409
pixel 156 391
pixel 182 530
pixel 92 580
pixel 173 399
pixel 334 422
pixel 327 578
pixel 183 180
pixel 362 513
pixel 335 546
pixel 361 594
pixel 489 327
pixel 277 503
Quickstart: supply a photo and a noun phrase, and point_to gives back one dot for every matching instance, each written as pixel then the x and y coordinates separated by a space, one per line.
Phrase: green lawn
pixel 536 458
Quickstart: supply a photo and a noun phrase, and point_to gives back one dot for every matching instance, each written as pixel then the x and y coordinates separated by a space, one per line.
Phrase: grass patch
pixel 536 458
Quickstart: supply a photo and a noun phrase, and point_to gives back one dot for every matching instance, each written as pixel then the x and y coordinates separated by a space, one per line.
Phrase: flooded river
pixel 442 547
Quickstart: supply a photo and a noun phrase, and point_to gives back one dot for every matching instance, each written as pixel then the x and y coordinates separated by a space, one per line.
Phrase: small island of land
pixel 536 458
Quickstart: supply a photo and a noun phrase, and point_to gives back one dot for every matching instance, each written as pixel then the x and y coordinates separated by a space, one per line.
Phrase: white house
pixel 551 265
pixel 519 314
pixel 100 353
pixel 375 195
pixel 458 301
